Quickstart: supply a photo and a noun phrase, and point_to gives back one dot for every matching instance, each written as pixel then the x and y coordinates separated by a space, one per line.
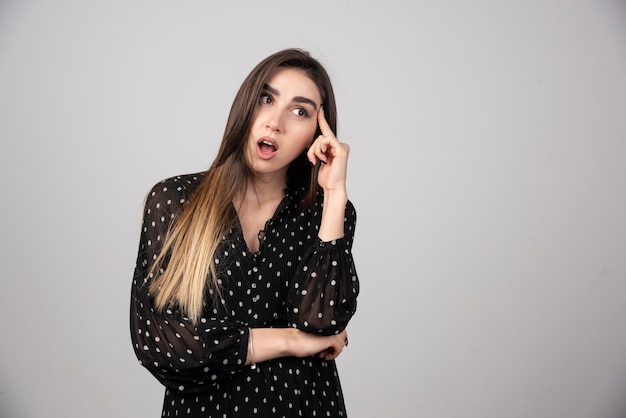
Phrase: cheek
pixel 308 133
pixel 256 117
pixel 300 143
pixel 307 137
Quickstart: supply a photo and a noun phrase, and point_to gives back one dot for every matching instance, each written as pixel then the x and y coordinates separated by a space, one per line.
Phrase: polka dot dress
pixel 294 280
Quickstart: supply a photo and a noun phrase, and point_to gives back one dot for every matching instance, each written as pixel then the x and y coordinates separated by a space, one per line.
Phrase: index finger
pixel 324 126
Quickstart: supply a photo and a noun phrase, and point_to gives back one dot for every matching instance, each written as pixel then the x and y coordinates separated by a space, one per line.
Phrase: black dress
pixel 295 280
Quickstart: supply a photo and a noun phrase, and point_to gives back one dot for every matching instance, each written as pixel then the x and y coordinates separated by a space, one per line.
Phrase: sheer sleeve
pixel 324 291
pixel 181 355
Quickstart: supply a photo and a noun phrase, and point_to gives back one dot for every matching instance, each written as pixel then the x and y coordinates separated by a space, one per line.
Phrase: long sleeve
pixel 181 355
pixel 323 295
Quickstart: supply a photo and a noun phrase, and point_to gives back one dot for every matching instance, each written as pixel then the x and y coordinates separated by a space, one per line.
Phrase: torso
pixel 256 288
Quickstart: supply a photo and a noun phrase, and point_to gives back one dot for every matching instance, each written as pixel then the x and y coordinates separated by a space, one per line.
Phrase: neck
pixel 264 188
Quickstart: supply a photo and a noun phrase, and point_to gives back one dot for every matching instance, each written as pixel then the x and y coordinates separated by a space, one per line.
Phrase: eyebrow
pixel 297 99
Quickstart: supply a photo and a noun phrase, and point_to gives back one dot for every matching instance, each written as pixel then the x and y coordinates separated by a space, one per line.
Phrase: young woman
pixel 245 281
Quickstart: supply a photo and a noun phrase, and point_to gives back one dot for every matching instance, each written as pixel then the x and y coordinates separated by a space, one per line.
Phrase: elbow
pixel 324 323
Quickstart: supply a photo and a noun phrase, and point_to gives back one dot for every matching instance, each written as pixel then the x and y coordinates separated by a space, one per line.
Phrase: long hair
pixel 194 235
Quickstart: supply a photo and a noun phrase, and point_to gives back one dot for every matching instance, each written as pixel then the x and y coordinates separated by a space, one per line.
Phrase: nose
pixel 274 120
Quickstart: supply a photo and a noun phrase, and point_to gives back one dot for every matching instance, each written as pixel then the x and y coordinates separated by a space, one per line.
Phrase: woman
pixel 245 281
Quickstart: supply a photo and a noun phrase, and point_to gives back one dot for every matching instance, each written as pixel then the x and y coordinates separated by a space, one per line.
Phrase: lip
pixel 268 139
pixel 263 152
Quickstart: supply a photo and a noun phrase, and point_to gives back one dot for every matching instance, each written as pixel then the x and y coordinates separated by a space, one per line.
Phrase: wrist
pixel 336 199
pixel 333 215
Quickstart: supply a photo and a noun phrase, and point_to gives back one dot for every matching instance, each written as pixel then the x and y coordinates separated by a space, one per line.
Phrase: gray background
pixel 488 167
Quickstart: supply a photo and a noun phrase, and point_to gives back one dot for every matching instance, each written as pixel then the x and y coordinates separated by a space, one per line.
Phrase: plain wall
pixel 488 168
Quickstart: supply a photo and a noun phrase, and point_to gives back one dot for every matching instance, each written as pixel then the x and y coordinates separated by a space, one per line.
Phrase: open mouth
pixel 266 147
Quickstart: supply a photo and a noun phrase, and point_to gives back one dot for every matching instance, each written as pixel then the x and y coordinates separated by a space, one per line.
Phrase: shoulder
pixel 184 183
pixel 172 192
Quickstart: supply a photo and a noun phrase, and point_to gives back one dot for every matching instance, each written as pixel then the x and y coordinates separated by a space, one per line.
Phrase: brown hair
pixel 194 236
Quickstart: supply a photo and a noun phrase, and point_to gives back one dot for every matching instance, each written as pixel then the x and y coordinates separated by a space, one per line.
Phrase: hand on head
pixel 333 155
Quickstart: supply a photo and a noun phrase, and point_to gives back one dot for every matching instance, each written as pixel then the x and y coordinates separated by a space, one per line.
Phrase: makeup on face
pixel 284 121
pixel 299 106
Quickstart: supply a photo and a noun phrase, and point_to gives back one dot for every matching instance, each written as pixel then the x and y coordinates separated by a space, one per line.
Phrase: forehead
pixel 293 82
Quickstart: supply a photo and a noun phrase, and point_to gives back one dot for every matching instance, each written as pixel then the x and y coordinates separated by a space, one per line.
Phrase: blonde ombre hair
pixel 190 247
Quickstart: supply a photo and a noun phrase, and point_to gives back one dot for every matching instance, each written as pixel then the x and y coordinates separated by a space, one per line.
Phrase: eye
pixel 265 98
pixel 301 112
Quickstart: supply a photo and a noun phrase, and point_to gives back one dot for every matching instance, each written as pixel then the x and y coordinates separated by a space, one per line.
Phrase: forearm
pixel 270 343
pixel 333 214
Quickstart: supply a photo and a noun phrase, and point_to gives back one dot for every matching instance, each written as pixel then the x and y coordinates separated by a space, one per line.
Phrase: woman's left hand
pixel 339 342
pixel 333 156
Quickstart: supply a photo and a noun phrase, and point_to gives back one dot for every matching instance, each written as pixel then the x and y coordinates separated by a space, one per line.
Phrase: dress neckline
pixel 261 235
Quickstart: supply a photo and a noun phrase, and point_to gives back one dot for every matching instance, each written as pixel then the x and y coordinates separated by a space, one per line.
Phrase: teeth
pixel 267 143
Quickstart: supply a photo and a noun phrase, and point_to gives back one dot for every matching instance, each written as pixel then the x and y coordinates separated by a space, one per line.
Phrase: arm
pixel 181 355
pixel 269 343
pixel 325 287
pixel 333 215
pixel 323 295
pixel 333 156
